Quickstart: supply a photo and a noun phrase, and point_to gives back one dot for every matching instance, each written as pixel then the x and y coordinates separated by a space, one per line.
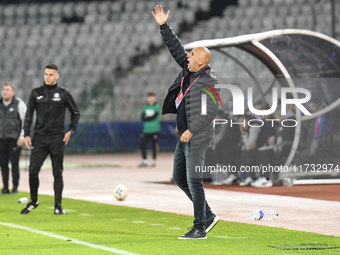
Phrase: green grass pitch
pixel 135 231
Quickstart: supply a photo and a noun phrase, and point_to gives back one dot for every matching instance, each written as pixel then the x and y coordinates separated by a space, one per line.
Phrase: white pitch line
pixel 49 234
pixel 232 237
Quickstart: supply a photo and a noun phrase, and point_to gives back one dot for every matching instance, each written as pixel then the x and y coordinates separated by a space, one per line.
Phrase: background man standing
pixel 12 114
pixel 50 102
pixel 194 128
pixel 151 128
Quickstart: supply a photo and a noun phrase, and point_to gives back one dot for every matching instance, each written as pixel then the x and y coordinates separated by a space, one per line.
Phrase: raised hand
pixel 160 17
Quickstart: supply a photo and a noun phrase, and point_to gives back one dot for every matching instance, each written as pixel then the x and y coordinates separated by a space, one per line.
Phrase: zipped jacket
pixel 10 121
pixel 200 125
pixel 50 103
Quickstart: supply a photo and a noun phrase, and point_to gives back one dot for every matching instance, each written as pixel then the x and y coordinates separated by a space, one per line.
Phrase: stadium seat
pixel 104 7
pixel 67 10
pixel 45 9
pixel 9 21
pixel 33 10
pixel 307 10
pixel 9 11
pixel 267 24
pixel 44 20
pixel 291 22
pixel 92 8
pixel 279 2
pixel 243 3
pixel 229 12
pixel 295 10
pixel 280 23
pixel 239 14
pixel 283 11
pixel 251 12
pixel 272 12
pixel 255 2
pixel 56 9
pixel 80 9
pixel 290 3
pixel 267 2
pixel 21 10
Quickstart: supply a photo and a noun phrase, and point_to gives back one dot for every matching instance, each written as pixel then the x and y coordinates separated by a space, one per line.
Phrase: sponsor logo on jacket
pixel 56 97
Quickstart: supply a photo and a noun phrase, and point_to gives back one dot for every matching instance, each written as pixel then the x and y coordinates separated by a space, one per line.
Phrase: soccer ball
pixel 120 192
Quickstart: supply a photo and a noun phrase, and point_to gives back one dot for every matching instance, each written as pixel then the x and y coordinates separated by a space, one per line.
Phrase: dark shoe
pixel 15 191
pixel 5 191
pixel 29 207
pixel 211 222
pixel 58 209
pixel 194 234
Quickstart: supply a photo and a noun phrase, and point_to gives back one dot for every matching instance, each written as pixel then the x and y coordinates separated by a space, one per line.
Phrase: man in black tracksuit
pixel 195 126
pixel 50 102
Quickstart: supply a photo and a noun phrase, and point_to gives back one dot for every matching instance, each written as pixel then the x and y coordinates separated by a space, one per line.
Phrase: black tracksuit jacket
pixel 50 103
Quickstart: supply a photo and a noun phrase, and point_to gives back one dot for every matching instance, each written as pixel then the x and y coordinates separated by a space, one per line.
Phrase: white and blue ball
pixel 120 192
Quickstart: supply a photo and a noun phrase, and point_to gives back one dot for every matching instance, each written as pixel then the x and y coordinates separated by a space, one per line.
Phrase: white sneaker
pixel 262 183
pixel 246 181
pixel 144 163
pixel 289 182
pixel 215 183
pixel 231 178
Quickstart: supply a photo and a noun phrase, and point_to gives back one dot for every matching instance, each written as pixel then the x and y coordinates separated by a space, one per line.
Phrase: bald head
pixel 198 58
pixel 204 53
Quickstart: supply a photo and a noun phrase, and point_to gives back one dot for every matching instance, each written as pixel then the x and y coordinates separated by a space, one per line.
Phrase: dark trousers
pixel 9 152
pixel 44 146
pixel 190 181
pixel 145 138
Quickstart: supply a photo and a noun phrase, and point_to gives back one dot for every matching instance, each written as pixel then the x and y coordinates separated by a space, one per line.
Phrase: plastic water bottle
pixel 23 200
pixel 263 214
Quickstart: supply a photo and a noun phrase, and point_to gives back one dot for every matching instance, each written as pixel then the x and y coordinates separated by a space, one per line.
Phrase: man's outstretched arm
pixel 159 15
pixel 171 40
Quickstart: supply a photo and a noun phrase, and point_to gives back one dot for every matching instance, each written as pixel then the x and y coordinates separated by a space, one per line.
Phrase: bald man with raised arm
pixel 195 129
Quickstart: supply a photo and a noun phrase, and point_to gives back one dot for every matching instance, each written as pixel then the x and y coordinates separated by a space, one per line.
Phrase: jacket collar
pixel 50 87
pixel 2 101
pixel 199 72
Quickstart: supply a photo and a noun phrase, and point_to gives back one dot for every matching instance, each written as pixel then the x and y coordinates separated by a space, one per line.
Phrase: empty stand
pixel 94 40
